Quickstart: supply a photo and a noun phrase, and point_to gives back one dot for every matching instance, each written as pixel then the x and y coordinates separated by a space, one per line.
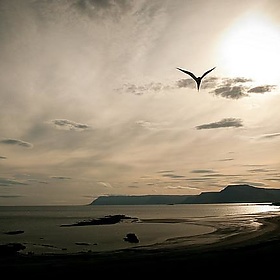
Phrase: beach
pixel 232 247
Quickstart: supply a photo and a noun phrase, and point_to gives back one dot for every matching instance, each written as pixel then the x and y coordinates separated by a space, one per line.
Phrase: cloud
pixel 16 142
pixel 226 159
pixel 3 157
pixel 236 80
pixel 144 124
pixel 10 196
pixel 103 8
pixel 37 181
pixel 230 88
pixel 228 122
pixel 151 125
pixel 61 178
pixel 262 89
pixel 186 83
pixel 270 136
pixel 220 175
pixel 9 182
pixel 180 188
pixel 156 87
pixel 133 187
pixel 69 125
pixel 259 184
pixel 236 88
pixel 273 179
pixel 173 176
pixel 190 83
pixel 232 92
pixel 105 184
pixel 258 170
pixel 165 171
pixel 141 89
pixel 202 171
pixel 170 174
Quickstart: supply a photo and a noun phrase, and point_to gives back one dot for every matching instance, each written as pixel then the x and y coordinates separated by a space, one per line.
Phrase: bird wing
pixel 188 72
pixel 207 72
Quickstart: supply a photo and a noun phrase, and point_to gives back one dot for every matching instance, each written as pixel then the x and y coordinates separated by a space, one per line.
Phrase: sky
pixel 92 102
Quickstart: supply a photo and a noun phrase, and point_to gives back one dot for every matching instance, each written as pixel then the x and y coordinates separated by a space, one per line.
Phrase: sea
pixel 50 230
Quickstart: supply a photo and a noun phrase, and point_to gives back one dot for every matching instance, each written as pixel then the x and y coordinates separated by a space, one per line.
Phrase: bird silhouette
pixel 197 79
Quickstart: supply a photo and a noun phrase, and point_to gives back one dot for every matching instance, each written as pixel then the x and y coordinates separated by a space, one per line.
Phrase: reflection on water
pixel 42 231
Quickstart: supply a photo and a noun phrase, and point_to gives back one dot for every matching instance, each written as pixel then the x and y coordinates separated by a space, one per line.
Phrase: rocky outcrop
pixel 11 249
pixel 132 238
pixel 107 220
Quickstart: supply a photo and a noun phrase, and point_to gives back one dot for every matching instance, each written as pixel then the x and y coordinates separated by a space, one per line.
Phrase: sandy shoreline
pixel 232 246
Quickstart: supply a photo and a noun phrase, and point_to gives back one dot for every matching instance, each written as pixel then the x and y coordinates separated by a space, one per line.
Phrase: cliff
pixel 230 194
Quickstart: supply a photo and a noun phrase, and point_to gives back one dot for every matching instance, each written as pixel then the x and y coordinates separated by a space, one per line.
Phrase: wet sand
pixel 231 250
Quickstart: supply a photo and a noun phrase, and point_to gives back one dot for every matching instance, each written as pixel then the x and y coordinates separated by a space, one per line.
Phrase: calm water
pixel 43 232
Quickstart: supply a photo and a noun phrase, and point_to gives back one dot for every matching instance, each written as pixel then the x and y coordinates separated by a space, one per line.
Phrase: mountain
pixel 139 199
pixel 237 194
pixel 230 194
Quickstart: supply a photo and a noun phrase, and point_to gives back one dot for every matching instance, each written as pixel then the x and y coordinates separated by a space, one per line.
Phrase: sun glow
pixel 251 48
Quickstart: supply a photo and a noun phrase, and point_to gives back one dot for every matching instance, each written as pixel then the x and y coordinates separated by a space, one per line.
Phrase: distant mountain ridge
pixel 230 194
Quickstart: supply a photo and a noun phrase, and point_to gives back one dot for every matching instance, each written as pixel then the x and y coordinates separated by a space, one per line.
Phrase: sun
pixel 251 48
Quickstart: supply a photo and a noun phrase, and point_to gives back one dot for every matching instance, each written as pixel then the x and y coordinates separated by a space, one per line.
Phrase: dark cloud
pixel 232 92
pixel 228 122
pixel 202 171
pixel 262 89
pixel 9 182
pixel 236 88
pixel 3 157
pixel 69 125
pixel 257 170
pixel 141 89
pixel 219 175
pixel 272 135
pixel 273 179
pixel 173 176
pixel 190 83
pixel 226 159
pixel 37 181
pixel 186 83
pixel 155 87
pixel 133 187
pixel 103 8
pixel 165 171
pixel 231 88
pixel 16 142
pixel 60 178
pixel 236 80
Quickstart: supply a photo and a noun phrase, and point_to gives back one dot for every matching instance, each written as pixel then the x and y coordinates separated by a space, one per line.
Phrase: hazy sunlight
pixel 250 48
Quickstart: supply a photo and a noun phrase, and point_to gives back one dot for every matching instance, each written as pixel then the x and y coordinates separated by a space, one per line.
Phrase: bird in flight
pixel 197 79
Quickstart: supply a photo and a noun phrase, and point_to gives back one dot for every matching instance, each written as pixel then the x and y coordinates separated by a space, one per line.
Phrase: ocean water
pixel 41 230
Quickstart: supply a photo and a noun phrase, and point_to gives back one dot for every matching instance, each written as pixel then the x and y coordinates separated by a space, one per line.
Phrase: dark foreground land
pixel 244 254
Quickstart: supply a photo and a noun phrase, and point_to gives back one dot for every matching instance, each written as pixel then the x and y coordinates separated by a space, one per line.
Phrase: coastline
pixel 231 246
